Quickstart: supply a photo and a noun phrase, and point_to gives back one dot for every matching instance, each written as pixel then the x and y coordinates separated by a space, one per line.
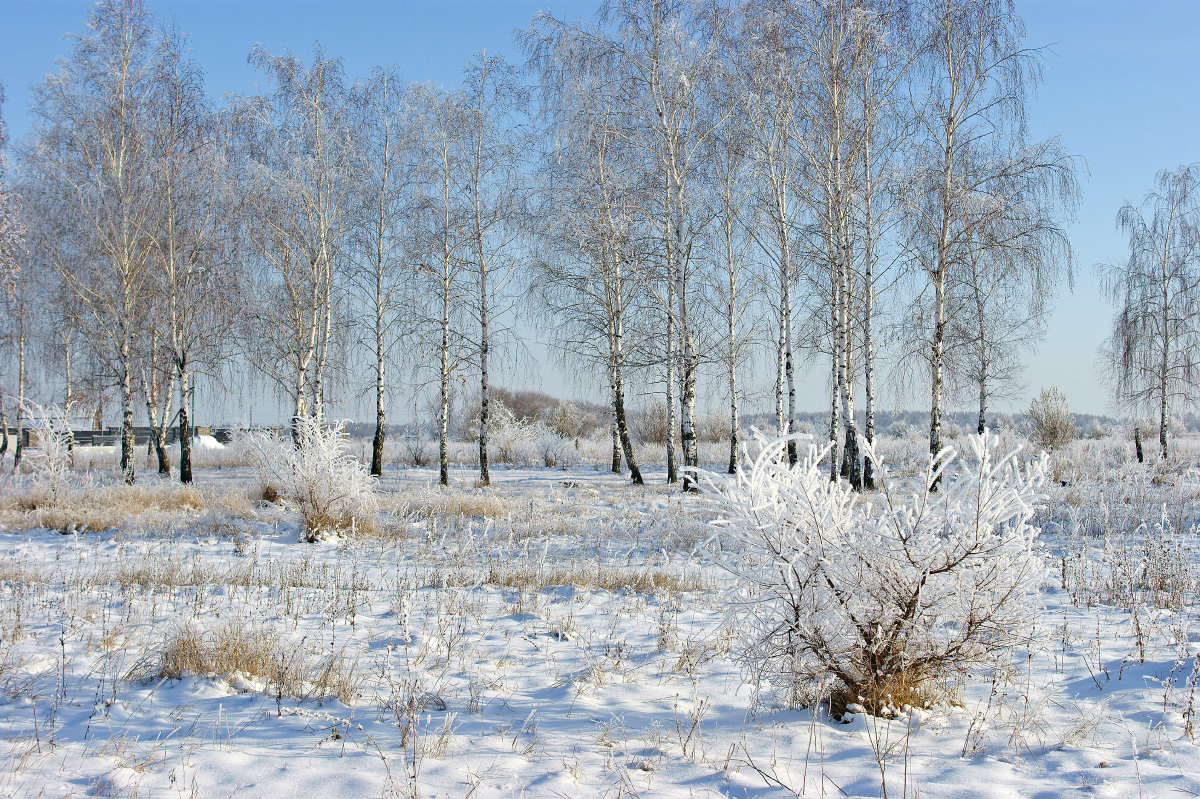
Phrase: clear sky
pixel 1122 90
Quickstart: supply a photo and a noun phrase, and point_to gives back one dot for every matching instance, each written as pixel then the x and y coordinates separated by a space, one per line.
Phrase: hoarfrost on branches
pixel 878 603
pixel 330 488
pixel 50 464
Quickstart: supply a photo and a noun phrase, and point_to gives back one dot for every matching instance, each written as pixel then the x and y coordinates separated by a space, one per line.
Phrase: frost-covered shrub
pixel 519 442
pixel 507 436
pixel 550 448
pixel 712 426
pixel 876 603
pixel 566 421
pixel 48 461
pixel 649 425
pixel 332 490
pixel 1051 426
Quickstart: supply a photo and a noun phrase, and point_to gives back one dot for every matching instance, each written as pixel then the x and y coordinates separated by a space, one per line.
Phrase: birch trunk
pixel 300 407
pixel 851 458
pixel 687 362
pixel 153 414
pixel 785 294
pixel 981 422
pixel 20 450
pixel 672 466
pixel 936 364
pixel 635 474
pixel 1164 372
pixel 834 406
pixel 67 381
pixel 380 373
pixel 444 387
pixel 731 331
pixel 939 276
pixel 185 423
pixel 616 355
pixel 615 467
pixel 484 477
pixel 325 338
pixel 691 457
pixel 780 377
pixel 127 442
pixel 868 334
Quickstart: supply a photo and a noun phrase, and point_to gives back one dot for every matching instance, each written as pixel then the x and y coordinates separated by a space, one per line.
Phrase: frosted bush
pixel 550 448
pixel 49 463
pixel 877 603
pixel 508 437
pixel 332 490
pixel 1051 425
pixel 566 421
pixel 519 442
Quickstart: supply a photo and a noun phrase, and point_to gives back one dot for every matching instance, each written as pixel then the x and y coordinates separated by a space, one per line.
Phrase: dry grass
pixel 15 678
pixel 594 577
pixel 323 525
pixel 890 694
pixel 164 575
pixel 116 506
pixel 17 572
pixel 257 653
pixel 447 505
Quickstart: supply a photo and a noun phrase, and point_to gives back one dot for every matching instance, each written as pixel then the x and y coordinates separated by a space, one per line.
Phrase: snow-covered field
pixel 561 635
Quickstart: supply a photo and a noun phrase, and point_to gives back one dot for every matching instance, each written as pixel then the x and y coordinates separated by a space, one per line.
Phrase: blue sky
pixel 1122 89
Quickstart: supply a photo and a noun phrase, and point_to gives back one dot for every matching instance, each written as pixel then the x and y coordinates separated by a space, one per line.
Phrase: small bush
pixel 333 491
pixel 874 604
pixel 415 452
pixel 550 447
pixel 566 421
pixel 1051 426
pixel 49 463
pixel 649 426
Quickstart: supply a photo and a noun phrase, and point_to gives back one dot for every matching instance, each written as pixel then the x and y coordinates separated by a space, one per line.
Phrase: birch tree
pixel 91 153
pixel 11 249
pixel 829 31
pixel 1153 349
pixel 195 280
pixel 20 300
pixel 882 56
pixel 382 243
pixel 442 235
pixel 973 143
pixel 300 170
pixel 495 142
pixel 1016 254
pixel 11 229
pixel 667 53
pixel 772 95
pixel 729 243
pixel 589 280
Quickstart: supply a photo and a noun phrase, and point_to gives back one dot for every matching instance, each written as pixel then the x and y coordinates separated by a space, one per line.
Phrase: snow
pixel 207 443
pixel 549 690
